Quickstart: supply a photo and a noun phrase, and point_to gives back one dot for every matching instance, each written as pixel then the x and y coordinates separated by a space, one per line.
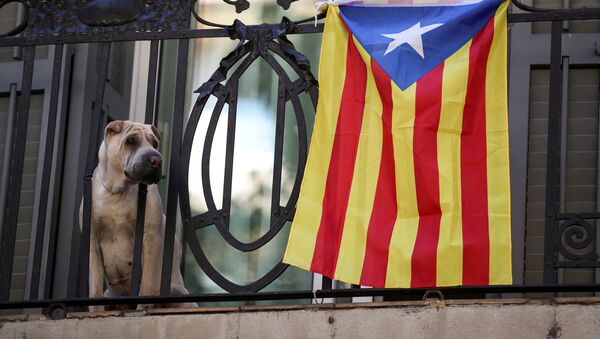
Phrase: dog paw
pixel 96 308
pixel 145 307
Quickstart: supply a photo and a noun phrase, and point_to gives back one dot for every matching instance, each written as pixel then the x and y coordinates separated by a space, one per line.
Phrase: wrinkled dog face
pixel 134 148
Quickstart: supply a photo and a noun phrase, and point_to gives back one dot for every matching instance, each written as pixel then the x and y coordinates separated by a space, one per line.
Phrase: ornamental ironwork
pixel 569 240
pixel 255 43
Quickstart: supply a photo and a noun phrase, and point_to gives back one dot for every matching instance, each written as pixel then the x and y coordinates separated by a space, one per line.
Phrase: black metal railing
pixel 160 20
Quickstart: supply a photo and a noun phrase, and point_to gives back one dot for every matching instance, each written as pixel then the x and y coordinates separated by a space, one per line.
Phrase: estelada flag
pixel 407 179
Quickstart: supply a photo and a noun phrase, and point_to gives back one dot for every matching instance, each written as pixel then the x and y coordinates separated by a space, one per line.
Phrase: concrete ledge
pixel 486 318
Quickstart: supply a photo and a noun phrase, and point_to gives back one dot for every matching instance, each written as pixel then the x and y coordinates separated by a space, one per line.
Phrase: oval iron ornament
pixel 263 44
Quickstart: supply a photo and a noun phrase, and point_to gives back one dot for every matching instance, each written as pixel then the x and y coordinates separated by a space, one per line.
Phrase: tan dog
pixel 128 156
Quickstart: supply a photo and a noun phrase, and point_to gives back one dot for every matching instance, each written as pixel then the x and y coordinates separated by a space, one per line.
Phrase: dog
pixel 128 156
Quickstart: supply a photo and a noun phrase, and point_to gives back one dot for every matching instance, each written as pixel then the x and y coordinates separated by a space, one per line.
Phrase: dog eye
pixel 131 141
pixel 154 143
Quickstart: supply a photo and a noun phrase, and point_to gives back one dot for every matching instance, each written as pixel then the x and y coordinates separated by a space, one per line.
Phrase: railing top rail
pixel 531 14
pixel 406 293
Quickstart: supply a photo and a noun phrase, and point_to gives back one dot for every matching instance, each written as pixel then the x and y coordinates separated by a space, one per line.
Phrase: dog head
pixel 133 147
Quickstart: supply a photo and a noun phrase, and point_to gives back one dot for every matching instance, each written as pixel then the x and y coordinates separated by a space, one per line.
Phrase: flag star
pixel 412 36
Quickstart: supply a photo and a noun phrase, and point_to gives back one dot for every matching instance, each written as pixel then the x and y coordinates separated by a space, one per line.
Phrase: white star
pixel 412 36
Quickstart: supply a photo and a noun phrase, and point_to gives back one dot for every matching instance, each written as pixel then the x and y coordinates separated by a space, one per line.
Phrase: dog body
pixel 128 156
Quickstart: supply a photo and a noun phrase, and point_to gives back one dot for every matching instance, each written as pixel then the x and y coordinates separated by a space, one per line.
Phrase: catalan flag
pixel 407 179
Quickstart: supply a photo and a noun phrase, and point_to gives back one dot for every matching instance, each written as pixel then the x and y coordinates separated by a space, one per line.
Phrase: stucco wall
pixel 564 318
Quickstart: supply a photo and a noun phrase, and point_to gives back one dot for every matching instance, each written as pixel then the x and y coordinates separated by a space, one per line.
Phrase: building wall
pixel 581 191
pixel 427 319
pixel 25 221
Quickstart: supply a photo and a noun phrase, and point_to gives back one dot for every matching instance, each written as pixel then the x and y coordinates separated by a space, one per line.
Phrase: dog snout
pixel 155 161
pixel 146 167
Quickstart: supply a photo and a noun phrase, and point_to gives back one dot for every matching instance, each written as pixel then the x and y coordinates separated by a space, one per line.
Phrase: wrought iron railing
pixel 106 22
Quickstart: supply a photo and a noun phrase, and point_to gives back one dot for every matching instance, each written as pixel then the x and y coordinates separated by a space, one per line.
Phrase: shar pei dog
pixel 128 156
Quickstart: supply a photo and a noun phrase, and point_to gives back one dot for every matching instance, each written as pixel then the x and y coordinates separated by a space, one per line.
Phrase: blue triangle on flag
pixel 392 34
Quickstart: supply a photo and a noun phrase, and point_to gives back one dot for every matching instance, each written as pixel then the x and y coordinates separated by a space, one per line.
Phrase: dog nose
pixel 155 161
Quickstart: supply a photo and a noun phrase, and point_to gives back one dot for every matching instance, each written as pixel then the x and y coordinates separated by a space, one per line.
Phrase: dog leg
pixel 151 264
pixel 177 285
pixel 96 274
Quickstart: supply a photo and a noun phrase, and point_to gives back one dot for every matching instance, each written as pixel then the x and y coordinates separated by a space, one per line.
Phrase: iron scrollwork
pixel 577 240
pixel 103 16
pixel 100 16
pixel 110 12
pixel 240 6
pixel 24 22
pixel 262 42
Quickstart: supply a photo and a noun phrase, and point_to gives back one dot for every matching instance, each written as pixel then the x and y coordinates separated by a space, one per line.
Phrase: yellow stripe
pixel 407 221
pixel 332 72
pixel 364 182
pixel 454 91
pixel 497 155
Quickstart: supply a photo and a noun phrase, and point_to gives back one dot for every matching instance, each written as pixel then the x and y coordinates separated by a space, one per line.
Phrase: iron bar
pixel 406 293
pixel 558 15
pixel 47 171
pixel 232 96
pixel 173 190
pixel 152 82
pixel 578 264
pixel 597 225
pixel 60 178
pixel 566 24
pixel 553 156
pixel 16 172
pixel 8 148
pixel 138 241
pixel 84 247
pixel 133 36
pixel 136 266
pixel 278 153
pixel 563 134
pixel 569 216
pixel 19 17
pixel 563 148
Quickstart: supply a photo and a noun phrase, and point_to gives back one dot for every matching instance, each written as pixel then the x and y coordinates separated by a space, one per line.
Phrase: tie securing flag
pixel 407 179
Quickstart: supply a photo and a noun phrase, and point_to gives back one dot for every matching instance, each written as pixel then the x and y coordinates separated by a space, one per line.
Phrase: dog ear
pixel 155 131
pixel 114 127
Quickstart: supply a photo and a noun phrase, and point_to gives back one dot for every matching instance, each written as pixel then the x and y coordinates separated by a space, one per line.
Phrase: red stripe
pixel 385 208
pixel 427 119
pixel 474 165
pixel 341 166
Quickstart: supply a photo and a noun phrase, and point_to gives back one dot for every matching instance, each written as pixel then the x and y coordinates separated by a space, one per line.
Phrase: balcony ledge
pixel 491 318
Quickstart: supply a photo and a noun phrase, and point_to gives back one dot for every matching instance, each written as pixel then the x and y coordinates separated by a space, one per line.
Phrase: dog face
pixel 133 147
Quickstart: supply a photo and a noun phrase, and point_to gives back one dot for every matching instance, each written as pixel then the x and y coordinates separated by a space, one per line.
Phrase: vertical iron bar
pixel 8 148
pixel 173 190
pixel 47 170
pixel 229 150
pixel 566 25
pixel 136 270
pixel 278 156
pixel 563 150
pixel 152 79
pixel 14 192
pixel 60 178
pixel 16 53
pixel 597 270
pixel 553 156
pixel 84 247
pixel 563 133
